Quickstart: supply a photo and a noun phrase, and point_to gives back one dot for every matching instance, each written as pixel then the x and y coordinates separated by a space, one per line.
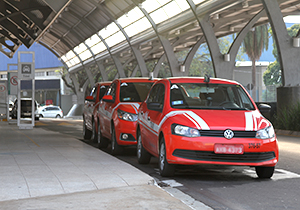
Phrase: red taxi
pixel 89 114
pixel 118 112
pixel 192 121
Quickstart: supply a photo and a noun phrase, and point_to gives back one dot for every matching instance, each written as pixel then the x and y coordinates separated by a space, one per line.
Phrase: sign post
pixel 26 71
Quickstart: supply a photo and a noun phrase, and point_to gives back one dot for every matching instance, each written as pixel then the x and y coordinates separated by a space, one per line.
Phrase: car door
pixel 153 116
pixel 106 108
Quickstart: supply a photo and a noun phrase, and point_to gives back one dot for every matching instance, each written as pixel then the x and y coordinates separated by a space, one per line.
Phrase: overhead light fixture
pixel 296 42
pixel 182 68
pixel 227 57
pixel 177 32
pixel 245 4
pixel 215 16
pixel 231 29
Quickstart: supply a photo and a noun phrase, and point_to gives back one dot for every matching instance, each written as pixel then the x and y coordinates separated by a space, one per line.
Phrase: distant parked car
pixel 25 109
pixel 50 111
pixel 90 122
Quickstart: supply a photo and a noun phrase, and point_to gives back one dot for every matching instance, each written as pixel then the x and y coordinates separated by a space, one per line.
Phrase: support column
pixel 288 57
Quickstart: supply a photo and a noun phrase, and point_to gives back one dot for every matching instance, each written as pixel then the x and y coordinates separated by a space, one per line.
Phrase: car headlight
pixel 127 116
pixel 185 131
pixel 265 133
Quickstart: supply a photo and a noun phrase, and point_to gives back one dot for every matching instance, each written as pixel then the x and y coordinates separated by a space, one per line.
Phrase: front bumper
pixel 200 150
pixel 125 132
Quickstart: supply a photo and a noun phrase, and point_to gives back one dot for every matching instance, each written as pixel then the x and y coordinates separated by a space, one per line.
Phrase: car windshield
pixel 134 92
pixel 209 96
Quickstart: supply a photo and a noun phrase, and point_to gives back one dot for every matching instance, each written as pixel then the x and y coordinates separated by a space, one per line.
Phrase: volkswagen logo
pixel 228 134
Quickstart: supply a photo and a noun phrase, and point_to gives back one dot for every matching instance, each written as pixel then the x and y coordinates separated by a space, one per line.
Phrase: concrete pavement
pixel 41 169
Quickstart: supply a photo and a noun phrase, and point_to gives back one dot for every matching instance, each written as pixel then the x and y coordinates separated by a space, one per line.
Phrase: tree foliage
pixel 272 76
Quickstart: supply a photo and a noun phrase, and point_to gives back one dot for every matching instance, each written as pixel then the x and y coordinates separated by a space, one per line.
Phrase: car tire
pixel 165 169
pixel 264 172
pixel 102 142
pixel 41 116
pixel 58 116
pixel 94 133
pixel 142 154
pixel 86 132
pixel 116 149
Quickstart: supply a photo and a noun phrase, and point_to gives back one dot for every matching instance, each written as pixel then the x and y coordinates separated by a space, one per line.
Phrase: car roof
pixel 201 80
pixel 107 83
pixel 137 79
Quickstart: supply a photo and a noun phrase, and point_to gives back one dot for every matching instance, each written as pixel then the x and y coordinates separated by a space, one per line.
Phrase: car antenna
pixel 151 76
pixel 206 78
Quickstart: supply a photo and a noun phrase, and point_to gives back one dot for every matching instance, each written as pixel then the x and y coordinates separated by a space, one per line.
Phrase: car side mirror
pixel 90 98
pixel 154 106
pixel 108 98
pixel 264 108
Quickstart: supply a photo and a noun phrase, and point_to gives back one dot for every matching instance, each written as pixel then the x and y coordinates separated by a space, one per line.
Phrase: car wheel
pixel 115 147
pixel 165 169
pixel 102 142
pixel 58 116
pixel 264 172
pixel 94 133
pixel 143 155
pixel 41 116
pixel 86 132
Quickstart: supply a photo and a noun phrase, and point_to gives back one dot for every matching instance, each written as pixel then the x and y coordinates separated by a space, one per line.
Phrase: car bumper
pixel 126 132
pixel 201 150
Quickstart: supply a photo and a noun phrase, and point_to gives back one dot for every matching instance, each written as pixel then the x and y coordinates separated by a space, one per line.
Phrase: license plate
pixel 237 149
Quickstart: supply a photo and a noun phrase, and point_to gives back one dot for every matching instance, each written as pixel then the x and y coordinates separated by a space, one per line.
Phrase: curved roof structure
pixel 82 31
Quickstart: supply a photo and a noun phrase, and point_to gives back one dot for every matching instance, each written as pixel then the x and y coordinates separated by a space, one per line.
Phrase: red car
pixel 193 121
pixel 118 112
pixel 90 123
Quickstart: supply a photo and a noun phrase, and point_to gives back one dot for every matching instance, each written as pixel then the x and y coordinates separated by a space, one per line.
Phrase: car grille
pixel 220 133
pixel 211 156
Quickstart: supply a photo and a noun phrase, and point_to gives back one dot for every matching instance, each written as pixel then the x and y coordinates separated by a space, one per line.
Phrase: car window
pixel 211 96
pixel 94 92
pixel 103 89
pixel 157 95
pixel 134 92
pixel 112 90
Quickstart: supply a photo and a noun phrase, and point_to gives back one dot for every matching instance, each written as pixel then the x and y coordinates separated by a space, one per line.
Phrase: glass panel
pixel 109 30
pixel 172 9
pixel 142 24
pixel 80 48
pixel 151 5
pixel 70 55
pixel 159 16
pixel 85 55
pixel 98 48
pixel 183 4
pixel 64 58
pixel 93 40
pixel 131 30
pixel 115 39
pixel 135 14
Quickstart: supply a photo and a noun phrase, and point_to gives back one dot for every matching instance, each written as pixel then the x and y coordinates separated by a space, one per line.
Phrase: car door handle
pixel 142 113
pixel 148 118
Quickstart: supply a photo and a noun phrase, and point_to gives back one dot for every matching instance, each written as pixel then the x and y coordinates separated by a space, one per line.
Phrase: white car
pixel 51 111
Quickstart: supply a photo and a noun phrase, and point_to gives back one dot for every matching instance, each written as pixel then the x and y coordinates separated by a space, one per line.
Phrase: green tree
pixel 255 42
pixel 272 76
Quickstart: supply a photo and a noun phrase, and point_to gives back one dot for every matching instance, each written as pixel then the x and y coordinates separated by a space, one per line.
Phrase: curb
pixel 287 133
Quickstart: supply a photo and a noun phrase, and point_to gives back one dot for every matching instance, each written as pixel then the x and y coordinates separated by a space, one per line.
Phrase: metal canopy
pixel 24 21
pixel 63 25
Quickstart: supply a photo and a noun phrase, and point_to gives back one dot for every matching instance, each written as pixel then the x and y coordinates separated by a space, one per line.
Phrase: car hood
pixel 220 119
pixel 129 107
